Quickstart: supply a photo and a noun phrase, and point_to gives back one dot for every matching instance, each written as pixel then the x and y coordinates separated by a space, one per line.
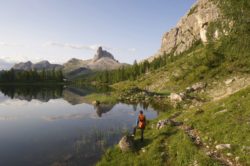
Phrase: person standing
pixel 141 124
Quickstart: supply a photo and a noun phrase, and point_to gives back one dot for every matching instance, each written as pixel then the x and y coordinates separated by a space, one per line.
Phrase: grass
pixel 231 127
pixel 165 147
pixel 171 146
pixel 224 58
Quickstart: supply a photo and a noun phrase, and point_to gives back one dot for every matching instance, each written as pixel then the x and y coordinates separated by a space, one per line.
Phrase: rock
pixel 223 146
pixel 229 154
pixel 183 95
pixel 126 143
pixel 96 102
pixel 103 60
pixel 101 54
pixel 199 86
pixel 192 27
pixel 229 81
pixel 143 150
pixel 189 89
pixel 246 148
pixel 195 163
pixel 175 97
pixel 161 124
pixel 221 112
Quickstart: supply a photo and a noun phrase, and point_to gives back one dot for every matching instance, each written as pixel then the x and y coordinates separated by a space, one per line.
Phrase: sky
pixel 58 30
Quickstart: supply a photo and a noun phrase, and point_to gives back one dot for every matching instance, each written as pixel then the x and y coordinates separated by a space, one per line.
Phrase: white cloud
pixel 72 46
pixel 4 44
pixel 87 47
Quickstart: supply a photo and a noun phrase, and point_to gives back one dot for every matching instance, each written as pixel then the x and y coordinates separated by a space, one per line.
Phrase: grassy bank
pixel 172 146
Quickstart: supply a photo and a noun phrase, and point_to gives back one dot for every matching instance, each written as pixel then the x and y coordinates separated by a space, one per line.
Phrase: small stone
pixel 229 81
pixel 221 112
pixel 143 150
pixel 229 154
pixel 199 86
pixel 246 148
pixel 223 146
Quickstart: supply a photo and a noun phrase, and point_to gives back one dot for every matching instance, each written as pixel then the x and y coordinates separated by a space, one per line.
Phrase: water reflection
pixel 55 125
pixel 41 93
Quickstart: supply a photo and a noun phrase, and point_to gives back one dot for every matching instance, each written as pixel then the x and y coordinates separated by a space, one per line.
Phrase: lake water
pixel 42 126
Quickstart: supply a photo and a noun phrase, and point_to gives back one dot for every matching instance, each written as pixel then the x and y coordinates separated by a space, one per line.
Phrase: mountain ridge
pixel 102 60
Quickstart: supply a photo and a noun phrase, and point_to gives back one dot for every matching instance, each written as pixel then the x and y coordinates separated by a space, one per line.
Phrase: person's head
pixel 141 112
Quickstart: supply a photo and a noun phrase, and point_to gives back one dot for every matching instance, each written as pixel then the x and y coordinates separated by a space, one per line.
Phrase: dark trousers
pixel 142 132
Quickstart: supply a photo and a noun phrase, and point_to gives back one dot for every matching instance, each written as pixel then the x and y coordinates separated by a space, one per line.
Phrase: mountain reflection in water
pixel 56 125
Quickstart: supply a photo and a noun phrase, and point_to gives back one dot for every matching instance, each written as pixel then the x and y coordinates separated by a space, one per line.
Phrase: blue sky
pixel 58 30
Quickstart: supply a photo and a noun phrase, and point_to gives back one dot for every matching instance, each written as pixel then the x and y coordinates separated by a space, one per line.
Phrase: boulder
pixel 174 97
pixel 223 146
pixel 126 143
pixel 161 124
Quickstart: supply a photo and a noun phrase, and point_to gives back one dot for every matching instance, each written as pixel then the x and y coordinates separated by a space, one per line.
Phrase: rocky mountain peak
pixel 36 66
pixel 102 54
pixel 191 28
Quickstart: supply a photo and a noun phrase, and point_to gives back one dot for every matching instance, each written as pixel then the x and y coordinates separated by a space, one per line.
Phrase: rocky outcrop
pixel 126 143
pixel 103 60
pixel 191 28
pixel 102 54
pixel 36 66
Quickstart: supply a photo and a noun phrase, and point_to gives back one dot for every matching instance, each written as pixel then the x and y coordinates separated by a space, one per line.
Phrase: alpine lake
pixel 55 125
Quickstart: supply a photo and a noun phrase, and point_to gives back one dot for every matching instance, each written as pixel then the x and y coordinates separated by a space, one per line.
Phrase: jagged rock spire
pixel 102 54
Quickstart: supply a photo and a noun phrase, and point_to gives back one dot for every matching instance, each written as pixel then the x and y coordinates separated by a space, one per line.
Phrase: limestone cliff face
pixel 192 27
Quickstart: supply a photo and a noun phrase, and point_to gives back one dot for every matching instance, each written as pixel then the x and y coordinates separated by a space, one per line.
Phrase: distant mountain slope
pixel 36 66
pixel 103 60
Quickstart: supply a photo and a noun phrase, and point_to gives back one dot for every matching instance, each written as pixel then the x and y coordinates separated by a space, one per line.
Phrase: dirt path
pixel 193 134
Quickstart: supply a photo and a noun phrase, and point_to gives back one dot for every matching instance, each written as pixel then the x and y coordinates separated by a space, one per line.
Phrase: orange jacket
pixel 141 121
